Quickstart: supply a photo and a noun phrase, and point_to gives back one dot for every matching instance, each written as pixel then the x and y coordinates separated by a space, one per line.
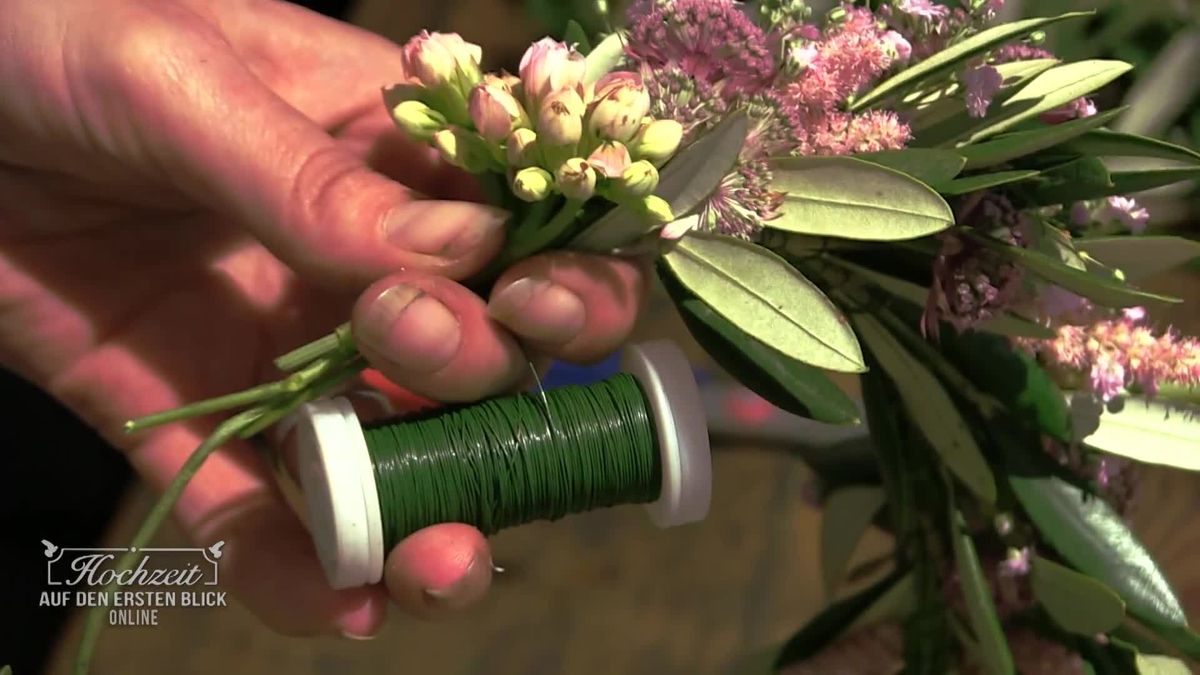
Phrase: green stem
pixel 306 354
pixel 543 236
pixel 242 398
pixel 227 431
pixel 329 378
pixel 532 235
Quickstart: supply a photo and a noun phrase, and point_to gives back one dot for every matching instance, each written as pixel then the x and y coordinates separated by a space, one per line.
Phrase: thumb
pixel 235 144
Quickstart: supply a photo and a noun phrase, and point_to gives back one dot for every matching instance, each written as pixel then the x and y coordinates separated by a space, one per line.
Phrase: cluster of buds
pixel 549 130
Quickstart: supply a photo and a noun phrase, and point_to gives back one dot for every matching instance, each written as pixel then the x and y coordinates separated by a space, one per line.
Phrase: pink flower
pixel 1015 564
pixel 442 59
pixel 618 106
pixel 610 159
pixel 549 66
pixel 1120 353
pixel 1080 107
pixel 922 9
pixel 1126 211
pixel 981 83
pixel 709 40
pixel 561 120
pixel 494 112
pixel 902 46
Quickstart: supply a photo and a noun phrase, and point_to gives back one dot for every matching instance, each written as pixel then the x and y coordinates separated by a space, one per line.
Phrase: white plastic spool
pixel 343 504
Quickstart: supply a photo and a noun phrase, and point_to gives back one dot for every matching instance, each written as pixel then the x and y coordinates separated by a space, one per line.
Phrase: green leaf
pixel 1094 539
pixel 1007 147
pixel 763 295
pixel 930 407
pixel 604 57
pixel 1062 184
pixel 1179 637
pixel 1161 665
pixel 1153 432
pixel 1140 256
pixel 1105 291
pixel 1052 89
pixel 847 515
pixel 577 36
pixel 984 181
pixel 928 165
pixel 993 647
pixel 686 181
pixel 787 383
pixel 897 603
pixel 830 623
pixel 853 199
pixel 1128 182
pixel 943 115
pixel 1107 143
pixel 1013 377
pixel 958 54
pixel 1077 603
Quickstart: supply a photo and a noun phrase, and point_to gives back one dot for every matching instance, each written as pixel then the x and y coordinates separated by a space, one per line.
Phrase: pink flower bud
pixel 441 60
pixel 657 141
pixel 610 159
pixel 522 149
pixel 619 104
pixel 495 112
pixel 576 179
pixel 899 44
pixel 560 122
pixel 549 66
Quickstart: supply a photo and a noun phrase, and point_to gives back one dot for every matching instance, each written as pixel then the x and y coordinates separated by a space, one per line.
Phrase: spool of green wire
pixel 636 438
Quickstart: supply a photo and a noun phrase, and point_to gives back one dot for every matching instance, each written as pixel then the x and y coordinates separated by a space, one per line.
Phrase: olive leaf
pixel 1076 602
pixel 930 407
pixel 954 56
pixel 1052 89
pixel 764 296
pixel 604 57
pixel 928 165
pixel 788 384
pixel 1154 432
pixel 830 623
pixel 1094 539
pixel 967 184
pixel 1104 290
pixel 847 514
pixel 1140 256
pixel 1108 143
pixel 995 656
pixel 1150 664
pixel 1010 146
pixel 686 181
pixel 854 199
pixel 576 36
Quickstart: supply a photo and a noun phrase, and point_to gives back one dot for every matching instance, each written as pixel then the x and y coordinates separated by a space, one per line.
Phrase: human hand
pixel 190 188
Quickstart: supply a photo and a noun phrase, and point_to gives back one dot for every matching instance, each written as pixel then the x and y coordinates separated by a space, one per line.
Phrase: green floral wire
pixel 513 460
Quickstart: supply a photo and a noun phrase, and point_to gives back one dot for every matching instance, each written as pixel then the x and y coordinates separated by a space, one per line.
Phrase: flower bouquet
pixel 908 192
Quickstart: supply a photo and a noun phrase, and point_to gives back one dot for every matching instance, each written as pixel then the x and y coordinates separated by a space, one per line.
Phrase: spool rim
pixel 681 427
pixel 340 494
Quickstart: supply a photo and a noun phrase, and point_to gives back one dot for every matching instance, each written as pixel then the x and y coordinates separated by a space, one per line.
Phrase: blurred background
pixel 604 592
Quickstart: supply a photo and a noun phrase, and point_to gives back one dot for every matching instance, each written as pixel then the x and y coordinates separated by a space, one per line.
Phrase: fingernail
pixel 410 328
pixel 539 309
pixel 360 638
pixel 443 228
pixel 466 590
